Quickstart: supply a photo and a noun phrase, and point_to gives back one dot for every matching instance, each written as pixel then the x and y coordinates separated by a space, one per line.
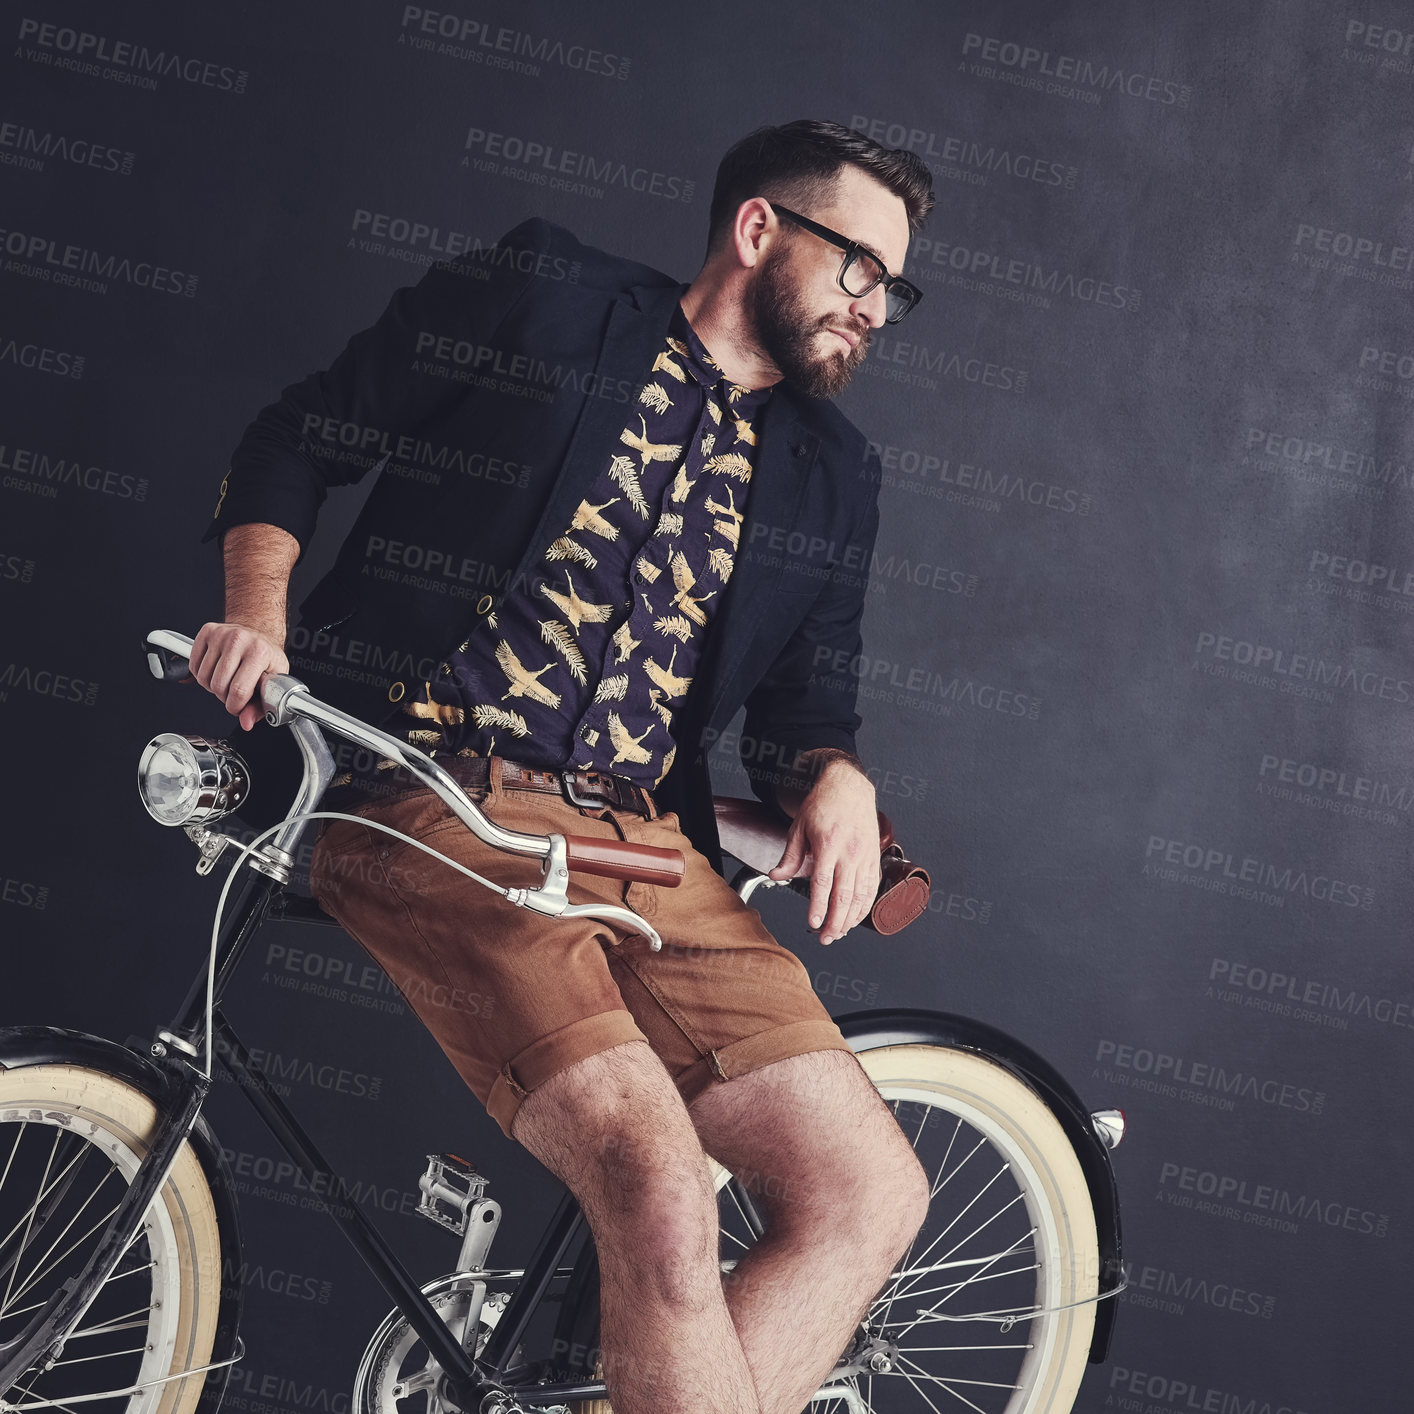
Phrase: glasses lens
pixel 898 300
pixel 861 273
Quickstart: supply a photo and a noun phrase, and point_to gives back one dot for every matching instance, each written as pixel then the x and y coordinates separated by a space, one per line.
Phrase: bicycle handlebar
pixel 288 702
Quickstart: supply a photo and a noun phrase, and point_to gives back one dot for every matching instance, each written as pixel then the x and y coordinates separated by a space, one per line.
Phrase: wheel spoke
pixel 946 1380
pixel 958 1217
pixel 14 1148
pixel 932 1193
pixel 115 1323
pixel 932 1310
pixel 63 1232
pixel 931 1349
pixel 107 1354
pixel 961 1242
pixel 35 1275
pixel 946 1388
pixel 939 1184
pixel 28 1219
pixel 990 1276
pixel 928 1401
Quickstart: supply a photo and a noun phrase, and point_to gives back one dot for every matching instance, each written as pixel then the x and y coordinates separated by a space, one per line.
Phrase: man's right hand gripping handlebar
pixel 232 661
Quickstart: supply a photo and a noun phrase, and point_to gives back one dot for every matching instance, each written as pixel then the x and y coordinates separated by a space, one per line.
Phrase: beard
pixel 789 333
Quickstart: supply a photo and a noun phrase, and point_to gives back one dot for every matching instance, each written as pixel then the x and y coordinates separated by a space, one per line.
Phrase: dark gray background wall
pixel 1138 686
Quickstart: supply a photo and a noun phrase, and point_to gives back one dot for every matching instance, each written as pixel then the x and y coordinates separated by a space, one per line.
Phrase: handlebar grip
pixel 622 859
pixel 167 655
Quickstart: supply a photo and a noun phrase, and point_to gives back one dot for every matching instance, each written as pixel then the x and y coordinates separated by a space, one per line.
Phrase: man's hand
pixel 232 661
pixel 837 825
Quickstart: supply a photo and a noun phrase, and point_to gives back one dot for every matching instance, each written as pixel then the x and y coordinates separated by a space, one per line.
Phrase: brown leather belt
pixel 590 789
pixel 594 790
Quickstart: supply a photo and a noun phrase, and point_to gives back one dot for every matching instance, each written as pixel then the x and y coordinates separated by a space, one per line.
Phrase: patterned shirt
pixel 586 662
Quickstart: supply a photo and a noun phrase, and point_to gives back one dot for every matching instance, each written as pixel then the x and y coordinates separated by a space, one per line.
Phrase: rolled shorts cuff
pixel 551 1054
pixel 752 1052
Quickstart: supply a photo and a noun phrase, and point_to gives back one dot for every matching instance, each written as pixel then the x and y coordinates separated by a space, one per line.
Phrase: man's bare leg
pixel 818 1149
pixel 615 1131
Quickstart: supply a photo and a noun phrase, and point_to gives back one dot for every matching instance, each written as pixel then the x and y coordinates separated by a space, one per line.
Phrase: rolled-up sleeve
pixel 319 432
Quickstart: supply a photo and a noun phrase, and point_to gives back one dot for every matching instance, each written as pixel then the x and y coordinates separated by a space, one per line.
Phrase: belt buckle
pixel 584 802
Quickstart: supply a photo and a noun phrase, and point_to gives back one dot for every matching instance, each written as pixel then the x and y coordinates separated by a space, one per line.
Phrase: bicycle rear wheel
pixel 71 1140
pixel 991 1308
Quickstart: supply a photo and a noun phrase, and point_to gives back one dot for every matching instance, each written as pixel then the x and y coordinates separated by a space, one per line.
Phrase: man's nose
pixel 871 307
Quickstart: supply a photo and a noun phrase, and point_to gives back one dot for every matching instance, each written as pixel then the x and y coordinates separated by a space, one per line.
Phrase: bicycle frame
pixel 265 872
pixel 473 1382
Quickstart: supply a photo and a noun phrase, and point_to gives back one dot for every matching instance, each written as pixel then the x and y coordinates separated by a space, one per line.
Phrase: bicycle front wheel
pixel 71 1140
pixel 991 1309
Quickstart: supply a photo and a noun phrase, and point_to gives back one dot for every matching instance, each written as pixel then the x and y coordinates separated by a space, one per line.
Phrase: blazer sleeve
pixel 807 697
pixel 319 431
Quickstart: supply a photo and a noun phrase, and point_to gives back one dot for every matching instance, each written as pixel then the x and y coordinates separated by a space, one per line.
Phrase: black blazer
pixel 487 397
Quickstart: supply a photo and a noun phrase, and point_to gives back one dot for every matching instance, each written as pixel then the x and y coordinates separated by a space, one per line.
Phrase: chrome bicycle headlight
pixel 187 780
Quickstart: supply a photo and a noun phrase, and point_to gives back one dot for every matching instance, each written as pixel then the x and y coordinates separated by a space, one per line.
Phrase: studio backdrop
pixel 1138 669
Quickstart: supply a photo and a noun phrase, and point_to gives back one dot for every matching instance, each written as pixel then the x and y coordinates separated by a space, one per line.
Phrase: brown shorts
pixel 512 996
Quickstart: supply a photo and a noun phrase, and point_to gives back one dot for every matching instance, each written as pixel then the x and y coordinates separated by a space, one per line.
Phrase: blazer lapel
pixel 638 325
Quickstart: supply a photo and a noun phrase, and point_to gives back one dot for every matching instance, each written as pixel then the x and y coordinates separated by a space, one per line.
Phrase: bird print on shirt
pixel 523 682
pixel 626 577
pixel 665 678
pixel 664 364
pixel 587 517
pixel 626 746
pixel 578 611
pixel 650 451
pixel 686 582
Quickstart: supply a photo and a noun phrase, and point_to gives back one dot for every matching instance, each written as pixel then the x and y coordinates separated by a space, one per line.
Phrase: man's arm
pixel 801 717
pixel 834 821
pixel 299 446
pixel 383 384
pixel 232 659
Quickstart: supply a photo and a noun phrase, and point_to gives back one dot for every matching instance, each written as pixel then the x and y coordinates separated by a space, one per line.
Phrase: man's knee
pixel 614 1128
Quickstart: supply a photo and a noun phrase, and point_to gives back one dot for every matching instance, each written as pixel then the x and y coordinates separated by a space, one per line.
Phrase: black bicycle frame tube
pixel 564 1227
pixel 244 915
pixel 326 1186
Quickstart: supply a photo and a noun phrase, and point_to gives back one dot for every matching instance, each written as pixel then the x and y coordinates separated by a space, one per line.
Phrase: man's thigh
pixel 512 997
pixel 722 998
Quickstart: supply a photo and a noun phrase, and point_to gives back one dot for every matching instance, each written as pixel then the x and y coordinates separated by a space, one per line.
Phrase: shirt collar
pixel 742 401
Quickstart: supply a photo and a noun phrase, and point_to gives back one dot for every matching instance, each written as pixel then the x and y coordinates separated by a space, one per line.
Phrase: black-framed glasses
pixel 860 270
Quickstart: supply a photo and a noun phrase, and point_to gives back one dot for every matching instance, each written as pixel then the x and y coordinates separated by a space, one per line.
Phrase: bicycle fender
pixel 23 1046
pixel 902 1026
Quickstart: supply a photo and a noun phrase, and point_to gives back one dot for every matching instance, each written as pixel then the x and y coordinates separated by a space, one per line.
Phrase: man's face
pixel 815 332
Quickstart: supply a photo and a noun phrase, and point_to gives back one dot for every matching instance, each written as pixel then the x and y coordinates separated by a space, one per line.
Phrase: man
pixel 676 522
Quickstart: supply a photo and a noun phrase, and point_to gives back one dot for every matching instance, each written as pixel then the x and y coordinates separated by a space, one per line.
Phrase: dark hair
pixel 800 162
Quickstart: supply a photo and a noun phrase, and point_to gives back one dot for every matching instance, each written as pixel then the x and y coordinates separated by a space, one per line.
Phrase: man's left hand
pixel 837 825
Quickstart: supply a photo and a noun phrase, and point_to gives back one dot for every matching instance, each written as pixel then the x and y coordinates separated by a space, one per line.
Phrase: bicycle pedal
pixel 450 1186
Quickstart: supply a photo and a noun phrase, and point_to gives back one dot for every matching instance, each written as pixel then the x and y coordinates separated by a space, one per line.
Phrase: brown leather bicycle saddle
pixel 755 833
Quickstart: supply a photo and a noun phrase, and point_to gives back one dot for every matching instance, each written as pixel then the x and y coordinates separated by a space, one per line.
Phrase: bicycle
pixel 117 1209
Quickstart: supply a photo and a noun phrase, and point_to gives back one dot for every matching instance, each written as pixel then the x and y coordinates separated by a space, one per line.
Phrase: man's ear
pixel 753 229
